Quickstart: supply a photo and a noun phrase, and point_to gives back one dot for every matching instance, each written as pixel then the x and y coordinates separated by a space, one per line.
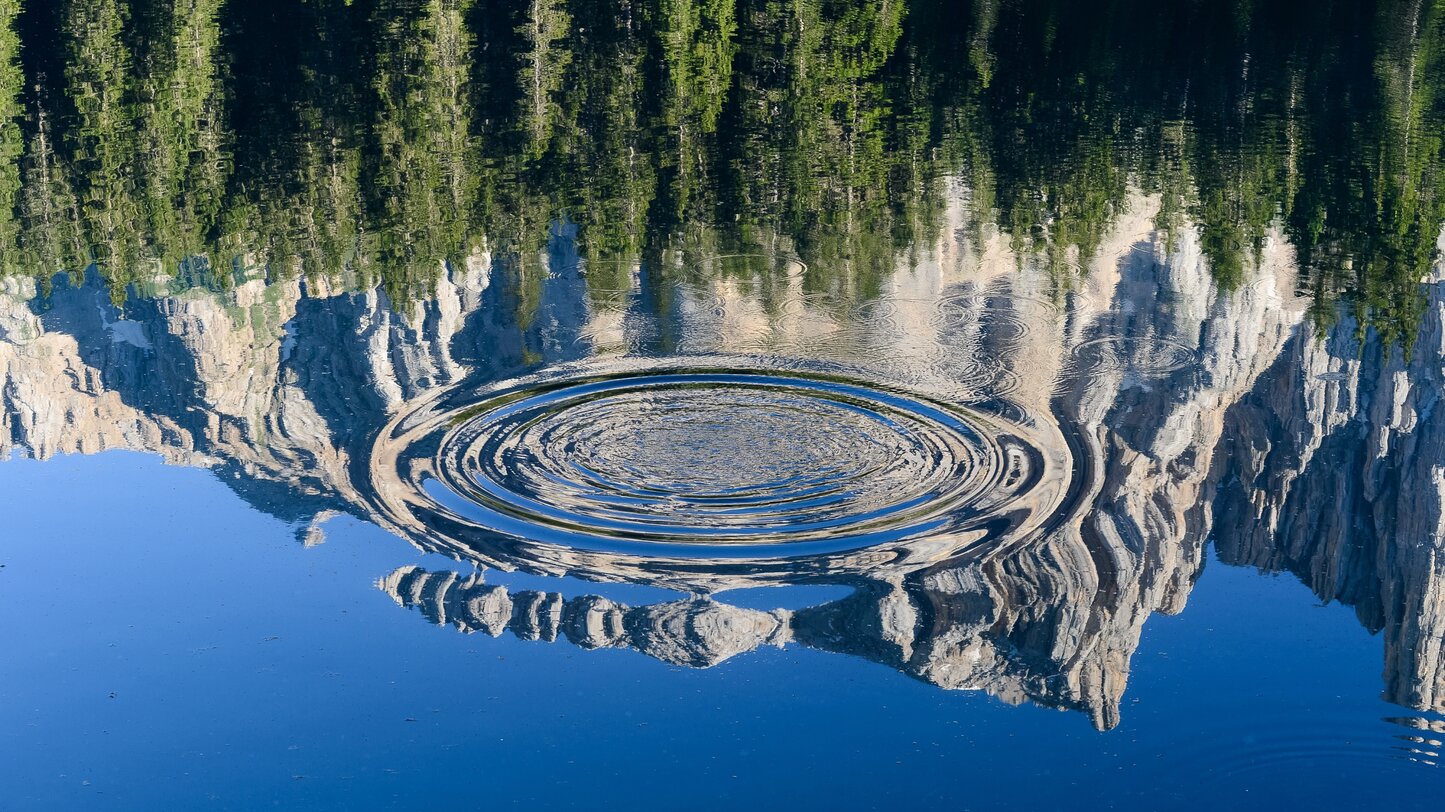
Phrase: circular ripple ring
pixel 730 462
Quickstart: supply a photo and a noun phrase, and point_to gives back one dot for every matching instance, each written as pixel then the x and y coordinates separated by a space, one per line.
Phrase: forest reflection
pixel 375 141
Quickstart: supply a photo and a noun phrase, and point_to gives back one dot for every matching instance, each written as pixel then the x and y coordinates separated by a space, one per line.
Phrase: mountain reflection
pixel 280 388
pixel 1192 246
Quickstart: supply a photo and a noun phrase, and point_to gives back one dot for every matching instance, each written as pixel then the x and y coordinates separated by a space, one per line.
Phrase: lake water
pixel 722 403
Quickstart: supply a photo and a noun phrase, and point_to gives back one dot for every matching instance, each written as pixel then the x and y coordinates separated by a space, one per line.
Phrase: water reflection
pixel 282 388
pixel 1176 302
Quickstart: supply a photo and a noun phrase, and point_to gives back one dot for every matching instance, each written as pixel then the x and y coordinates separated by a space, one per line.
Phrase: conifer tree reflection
pixel 379 143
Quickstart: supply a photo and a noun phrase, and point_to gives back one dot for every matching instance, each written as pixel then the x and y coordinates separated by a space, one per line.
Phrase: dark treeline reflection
pixel 375 140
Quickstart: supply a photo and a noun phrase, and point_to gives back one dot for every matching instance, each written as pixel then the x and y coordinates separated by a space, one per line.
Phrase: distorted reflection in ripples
pixel 777 469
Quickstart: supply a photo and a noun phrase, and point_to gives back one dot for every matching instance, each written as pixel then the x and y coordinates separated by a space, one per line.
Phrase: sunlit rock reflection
pixel 1334 469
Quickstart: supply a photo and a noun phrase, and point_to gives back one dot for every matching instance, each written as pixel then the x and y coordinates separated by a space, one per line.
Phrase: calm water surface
pixel 717 403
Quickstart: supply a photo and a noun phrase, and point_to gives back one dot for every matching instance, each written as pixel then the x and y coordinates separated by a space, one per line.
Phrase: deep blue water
pixel 169 643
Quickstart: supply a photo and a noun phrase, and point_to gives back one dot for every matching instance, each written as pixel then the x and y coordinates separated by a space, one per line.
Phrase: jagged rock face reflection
pixel 1184 411
pixel 1334 470
pixel 698 633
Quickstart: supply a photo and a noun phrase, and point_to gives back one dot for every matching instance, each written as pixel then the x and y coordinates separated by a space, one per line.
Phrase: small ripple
pixel 1004 318
pixel 1425 742
pixel 1146 357
pixel 981 335
pixel 806 304
pixel 889 313
pixel 1423 724
pixel 977 372
pixel 1223 747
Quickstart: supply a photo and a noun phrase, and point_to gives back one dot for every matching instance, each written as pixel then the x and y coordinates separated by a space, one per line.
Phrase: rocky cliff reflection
pixel 1188 412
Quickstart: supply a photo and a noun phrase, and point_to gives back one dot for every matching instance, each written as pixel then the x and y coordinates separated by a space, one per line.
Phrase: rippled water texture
pixel 712 461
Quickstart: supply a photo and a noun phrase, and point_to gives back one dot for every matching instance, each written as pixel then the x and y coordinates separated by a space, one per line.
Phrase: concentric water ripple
pixel 731 464
pixel 982 334
pixel 1147 357
pixel 723 458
